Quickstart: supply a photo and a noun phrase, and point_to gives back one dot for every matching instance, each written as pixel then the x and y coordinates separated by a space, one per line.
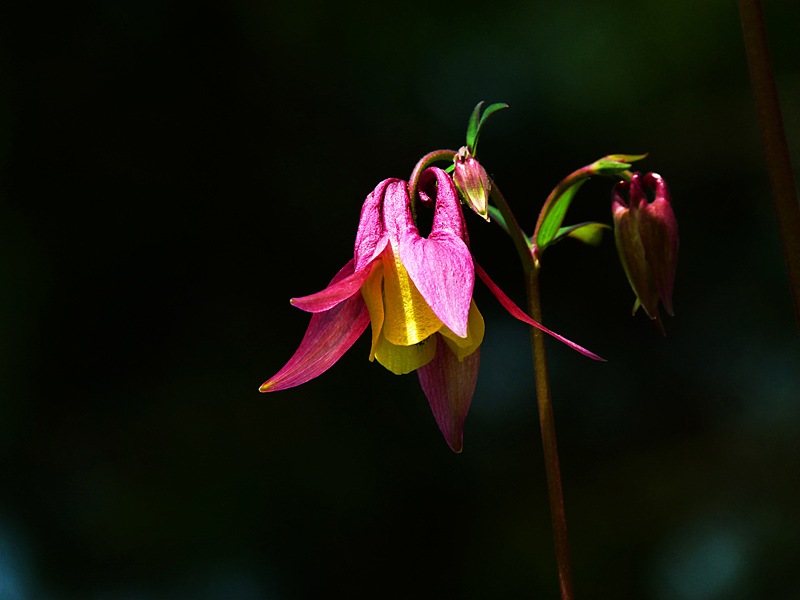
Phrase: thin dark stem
pixel 512 227
pixel 543 397
pixel 773 138
pixel 548 426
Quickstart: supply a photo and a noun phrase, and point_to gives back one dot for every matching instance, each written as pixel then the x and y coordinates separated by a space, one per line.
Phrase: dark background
pixel 172 173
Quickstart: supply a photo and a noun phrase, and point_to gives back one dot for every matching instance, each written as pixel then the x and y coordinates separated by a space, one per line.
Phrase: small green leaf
pixel 589 233
pixel 489 111
pixel 472 128
pixel 555 216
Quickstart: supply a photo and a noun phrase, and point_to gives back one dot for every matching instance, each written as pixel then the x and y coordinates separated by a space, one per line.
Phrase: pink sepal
pixel 329 335
pixel 519 314
pixel 343 286
pixel 371 237
pixel 449 386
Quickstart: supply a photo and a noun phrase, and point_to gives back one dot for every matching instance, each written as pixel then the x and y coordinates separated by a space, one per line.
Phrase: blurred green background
pixel 171 173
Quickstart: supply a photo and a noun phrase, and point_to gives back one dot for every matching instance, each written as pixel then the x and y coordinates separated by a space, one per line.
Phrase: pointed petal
pixel 441 265
pixel 449 385
pixel 402 360
pixel 463 347
pixel 408 319
pixel 372 292
pixel 343 286
pixel 371 237
pixel 517 313
pixel 442 270
pixel 330 334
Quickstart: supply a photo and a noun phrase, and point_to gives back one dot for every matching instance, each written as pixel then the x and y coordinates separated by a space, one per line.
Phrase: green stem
pixel 773 138
pixel 512 227
pixel 531 269
pixel 558 191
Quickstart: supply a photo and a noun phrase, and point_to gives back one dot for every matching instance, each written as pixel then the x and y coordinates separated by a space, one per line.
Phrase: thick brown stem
pixel 773 138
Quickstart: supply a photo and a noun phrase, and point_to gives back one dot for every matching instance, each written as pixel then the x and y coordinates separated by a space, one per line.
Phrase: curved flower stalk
pixel 417 294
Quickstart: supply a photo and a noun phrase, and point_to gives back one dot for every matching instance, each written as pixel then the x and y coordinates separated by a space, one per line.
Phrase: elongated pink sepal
pixel 517 312
pixel 330 334
pixel 340 289
pixel 449 386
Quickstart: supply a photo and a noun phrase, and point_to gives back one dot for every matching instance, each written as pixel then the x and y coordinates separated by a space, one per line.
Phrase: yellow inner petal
pixel 372 291
pixel 401 360
pixel 463 347
pixel 408 318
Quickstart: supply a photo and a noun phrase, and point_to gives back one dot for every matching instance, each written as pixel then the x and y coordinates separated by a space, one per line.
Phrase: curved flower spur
pixel 417 294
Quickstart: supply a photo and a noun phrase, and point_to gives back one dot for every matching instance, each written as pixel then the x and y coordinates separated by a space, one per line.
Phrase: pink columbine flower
pixel 417 294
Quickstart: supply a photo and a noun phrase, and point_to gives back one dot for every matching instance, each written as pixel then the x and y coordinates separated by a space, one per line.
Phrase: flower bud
pixel 472 182
pixel 646 233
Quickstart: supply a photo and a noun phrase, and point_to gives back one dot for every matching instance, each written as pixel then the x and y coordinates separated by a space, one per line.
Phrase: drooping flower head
pixel 646 234
pixel 417 294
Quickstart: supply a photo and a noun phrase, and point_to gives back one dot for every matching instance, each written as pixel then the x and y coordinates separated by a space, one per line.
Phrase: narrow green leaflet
pixel 472 128
pixel 488 112
pixel 475 126
pixel 589 233
pixel 555 216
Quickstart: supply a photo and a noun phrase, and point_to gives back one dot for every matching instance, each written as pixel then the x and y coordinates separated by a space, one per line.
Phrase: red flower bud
pixel 646 233
pixel 473 183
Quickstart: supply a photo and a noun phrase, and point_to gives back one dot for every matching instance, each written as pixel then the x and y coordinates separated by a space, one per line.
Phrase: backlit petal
pixel 517 313
pixel 372 291
pixel 401 360
pixel 441 265
pixel 463 347
pixel 449 385
pixel 408 319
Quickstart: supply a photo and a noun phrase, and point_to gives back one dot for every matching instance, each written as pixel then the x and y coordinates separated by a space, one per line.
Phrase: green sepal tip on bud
pixel 646 234
pixel 472 182
pixel 476 122
pixel 614 164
